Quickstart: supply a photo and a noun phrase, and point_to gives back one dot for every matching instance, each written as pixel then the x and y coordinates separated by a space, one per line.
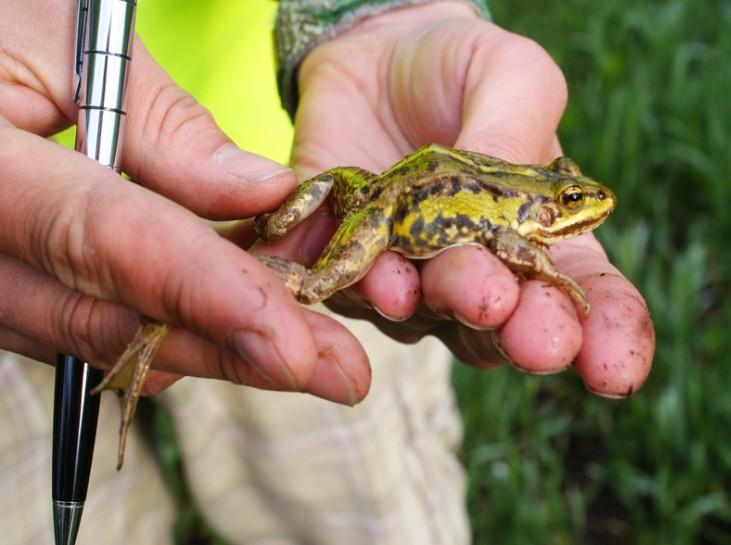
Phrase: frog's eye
pixel 572 197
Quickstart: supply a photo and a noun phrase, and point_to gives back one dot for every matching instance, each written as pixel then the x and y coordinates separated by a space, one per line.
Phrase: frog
pixel 433 199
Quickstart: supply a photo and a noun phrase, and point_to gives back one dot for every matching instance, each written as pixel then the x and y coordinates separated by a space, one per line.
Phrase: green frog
pixel 433 199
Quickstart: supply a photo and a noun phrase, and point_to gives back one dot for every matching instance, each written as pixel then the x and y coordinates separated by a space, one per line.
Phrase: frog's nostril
pixel 601 195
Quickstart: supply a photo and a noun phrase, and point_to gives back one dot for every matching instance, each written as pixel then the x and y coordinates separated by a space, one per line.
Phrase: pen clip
pixel 82 12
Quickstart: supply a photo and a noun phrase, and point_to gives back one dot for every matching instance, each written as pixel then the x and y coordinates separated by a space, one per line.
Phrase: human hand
pixel 436 73
pixel 83 253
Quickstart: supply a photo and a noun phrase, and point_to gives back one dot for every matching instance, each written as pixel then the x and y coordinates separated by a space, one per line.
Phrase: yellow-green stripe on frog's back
pixel 453 209
pixel 421 165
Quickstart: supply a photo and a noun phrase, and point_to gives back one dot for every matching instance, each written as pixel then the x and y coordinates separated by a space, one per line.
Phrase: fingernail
pixel 538 372
pixel 607 395
pixel 495 338
pixel 259 351
pixel 330 382
pixel 245 165
pixel 462 320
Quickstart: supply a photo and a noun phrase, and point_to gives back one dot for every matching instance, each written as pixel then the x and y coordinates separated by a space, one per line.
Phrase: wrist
pixel 409 17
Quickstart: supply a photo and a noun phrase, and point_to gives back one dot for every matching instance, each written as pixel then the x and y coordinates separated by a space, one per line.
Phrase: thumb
pixel 174 147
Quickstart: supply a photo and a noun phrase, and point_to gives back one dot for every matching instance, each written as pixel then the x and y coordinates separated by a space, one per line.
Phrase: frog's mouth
pixel 578 228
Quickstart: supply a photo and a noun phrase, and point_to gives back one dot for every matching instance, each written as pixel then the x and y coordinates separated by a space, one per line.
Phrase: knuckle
pixel 172 119
pixel 174 114
pixel 94 330
pixel 229 367
pixel 64 243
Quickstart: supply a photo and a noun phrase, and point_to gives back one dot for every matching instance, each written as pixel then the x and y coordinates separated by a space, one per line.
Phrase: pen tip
pixel 66 519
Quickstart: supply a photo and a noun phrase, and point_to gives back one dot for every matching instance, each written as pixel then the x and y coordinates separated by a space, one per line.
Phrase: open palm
pixel 438 74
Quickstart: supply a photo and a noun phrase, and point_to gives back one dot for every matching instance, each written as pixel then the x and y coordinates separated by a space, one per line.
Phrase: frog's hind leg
pixel 127 377
pixel 523 257
pixel 361 238
pixel 343 185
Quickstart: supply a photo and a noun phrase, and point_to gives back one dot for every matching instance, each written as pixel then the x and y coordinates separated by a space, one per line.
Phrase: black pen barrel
pixel 75 415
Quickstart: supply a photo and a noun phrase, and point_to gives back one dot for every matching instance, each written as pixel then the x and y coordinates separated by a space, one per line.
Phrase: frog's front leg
pixel 127 377
pixel 520 255
pixel 310 194
pixel 362 237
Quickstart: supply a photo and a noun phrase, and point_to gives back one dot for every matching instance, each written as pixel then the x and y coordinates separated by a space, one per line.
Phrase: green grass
pixel 649 114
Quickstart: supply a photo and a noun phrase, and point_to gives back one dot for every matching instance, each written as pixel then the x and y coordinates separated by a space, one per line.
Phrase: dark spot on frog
pixel 417 228
pixel 455 185
pixel 400 214
pixel 436 189
pixel 400 242
pixel 404 169
pixel 463 221
pixel 524 210
pixel 432 166
pixel 417 197
pixel 525 257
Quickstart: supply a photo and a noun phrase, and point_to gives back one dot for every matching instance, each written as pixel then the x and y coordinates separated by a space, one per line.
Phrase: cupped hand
pixel 437 73
pixel 83 253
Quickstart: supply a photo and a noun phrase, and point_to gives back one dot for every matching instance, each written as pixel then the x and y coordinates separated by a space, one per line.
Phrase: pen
pixel 103 43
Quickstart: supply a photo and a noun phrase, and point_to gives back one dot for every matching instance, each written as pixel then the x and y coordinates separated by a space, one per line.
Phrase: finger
pixel 470 284
pixel 118 242
pixel 39 317
pixel 392 287
pixel 514 97
pixel 14 342
pixel 172 143
pixel 341 372
pixel 36 64
pixel 30 110
pixel 543 335
pixel 155 382
pixel 619 338
pixel 174 147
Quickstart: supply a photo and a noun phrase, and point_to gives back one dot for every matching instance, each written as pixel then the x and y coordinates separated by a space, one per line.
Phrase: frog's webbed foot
pixel 296 208
pixel 127 377
pixel 291 273
pixel 346 188
pixel 532 261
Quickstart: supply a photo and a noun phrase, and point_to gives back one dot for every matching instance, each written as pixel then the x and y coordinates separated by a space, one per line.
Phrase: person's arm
pixel 83 254
pixel 372 93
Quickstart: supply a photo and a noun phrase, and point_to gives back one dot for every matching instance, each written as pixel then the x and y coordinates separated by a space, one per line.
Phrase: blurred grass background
pixel 650 114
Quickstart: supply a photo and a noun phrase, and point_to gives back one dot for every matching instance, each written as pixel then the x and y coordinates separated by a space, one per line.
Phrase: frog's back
pixel 444 200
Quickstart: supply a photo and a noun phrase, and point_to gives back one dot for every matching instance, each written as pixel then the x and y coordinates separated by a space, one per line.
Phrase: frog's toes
pixel 291 274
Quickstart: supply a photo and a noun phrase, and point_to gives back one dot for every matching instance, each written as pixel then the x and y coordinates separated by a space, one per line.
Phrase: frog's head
pixel 572 204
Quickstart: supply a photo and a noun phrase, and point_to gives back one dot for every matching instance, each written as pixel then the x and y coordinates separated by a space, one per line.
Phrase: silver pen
pixel 103 46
